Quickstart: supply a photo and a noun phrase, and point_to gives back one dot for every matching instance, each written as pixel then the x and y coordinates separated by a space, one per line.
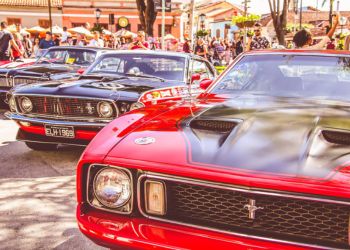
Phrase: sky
pixel 262 6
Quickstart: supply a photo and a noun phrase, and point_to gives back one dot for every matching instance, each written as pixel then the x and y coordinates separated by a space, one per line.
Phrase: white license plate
pixel 58 131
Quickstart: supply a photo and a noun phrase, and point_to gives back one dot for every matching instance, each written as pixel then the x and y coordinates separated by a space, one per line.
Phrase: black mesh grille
pixel 213 125
pixel 337 137
pixel 301 221
pixel 18 81
pixel 65 107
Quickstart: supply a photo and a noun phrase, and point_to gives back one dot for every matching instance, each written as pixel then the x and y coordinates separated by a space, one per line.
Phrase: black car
pixel 56 63
pixel 72 112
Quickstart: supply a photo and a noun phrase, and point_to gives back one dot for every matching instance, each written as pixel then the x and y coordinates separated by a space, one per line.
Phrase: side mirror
pixel 81 71
pixel 195 77
pixel 204 84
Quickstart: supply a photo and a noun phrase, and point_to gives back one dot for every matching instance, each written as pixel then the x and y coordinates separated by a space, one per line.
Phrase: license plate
pixel 58 131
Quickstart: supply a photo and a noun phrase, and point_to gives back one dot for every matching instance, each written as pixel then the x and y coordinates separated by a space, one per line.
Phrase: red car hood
pixel 282 144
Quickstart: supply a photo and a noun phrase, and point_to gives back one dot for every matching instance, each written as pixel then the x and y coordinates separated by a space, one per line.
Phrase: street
pixel 37 195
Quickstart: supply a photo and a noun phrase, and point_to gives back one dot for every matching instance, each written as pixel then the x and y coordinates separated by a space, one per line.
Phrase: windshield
pixel 68 56
pixel 320 77
pixel 166 67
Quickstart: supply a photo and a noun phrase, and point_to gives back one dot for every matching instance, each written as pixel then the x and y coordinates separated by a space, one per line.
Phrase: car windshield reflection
pixel 148 66
pixel 68 57
pixel 318 77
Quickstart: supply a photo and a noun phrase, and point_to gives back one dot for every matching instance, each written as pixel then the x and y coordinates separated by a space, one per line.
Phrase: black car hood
pixel 50 71
pixel 126 89
pixel 257 135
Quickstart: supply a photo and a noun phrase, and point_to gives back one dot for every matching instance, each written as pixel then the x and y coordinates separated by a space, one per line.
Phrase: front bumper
pixel 122 232
pixel 33 129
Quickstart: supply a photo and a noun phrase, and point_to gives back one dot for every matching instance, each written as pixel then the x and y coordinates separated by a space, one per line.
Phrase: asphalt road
pixel 37 195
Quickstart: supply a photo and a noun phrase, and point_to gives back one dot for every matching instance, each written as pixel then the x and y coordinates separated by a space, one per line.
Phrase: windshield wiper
pixel 146 76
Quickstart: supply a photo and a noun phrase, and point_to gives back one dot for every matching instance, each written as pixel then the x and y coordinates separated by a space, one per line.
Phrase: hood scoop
pixel 219 126
pixel 337 137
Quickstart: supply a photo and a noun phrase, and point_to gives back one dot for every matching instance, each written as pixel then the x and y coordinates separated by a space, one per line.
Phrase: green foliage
pixel 291 27
pixel 202 33
pixel 97 27
pixel 243 19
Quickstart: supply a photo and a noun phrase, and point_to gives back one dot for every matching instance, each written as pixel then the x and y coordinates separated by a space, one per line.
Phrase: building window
pixel 167 29
pixel 78 25
pixel 11 21
pixel 103 25
pixel 45 23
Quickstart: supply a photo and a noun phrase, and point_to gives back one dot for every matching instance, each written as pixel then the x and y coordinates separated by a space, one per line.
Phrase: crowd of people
pixel 219 51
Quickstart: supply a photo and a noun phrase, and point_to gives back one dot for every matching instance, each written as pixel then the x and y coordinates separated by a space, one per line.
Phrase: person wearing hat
pixel 47 42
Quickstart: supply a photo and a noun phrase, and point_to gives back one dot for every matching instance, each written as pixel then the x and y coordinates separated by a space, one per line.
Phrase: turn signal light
pixel 155 197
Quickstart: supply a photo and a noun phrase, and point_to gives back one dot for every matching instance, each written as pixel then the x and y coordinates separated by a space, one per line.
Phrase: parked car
pixel 258 161
pixel 57 63
pixel 72 112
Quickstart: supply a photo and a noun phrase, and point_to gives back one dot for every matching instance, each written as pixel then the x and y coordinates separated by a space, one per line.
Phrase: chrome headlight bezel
pixel 92 199
pixel 24 109
pixel 136 105
pixel 104 104
pixel 12 103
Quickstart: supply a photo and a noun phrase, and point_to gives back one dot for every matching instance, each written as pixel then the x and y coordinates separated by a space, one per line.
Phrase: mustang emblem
pixel 145 140
pixel 252 208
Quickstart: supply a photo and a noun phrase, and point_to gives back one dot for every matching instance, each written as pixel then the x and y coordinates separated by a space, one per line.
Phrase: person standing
pixel 64 35
pixel 186 46
pixel 303 39
pixel 201 48
pixel 79 40
pixel 28 45
pixel 257 41
pixel 15 53
pixel 47 42
pixel 140 42
pixel 6 40
pixel 96 41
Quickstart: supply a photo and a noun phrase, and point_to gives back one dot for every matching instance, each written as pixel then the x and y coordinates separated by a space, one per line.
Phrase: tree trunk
pixel 279 18
pixel 147 15
pixel 331 5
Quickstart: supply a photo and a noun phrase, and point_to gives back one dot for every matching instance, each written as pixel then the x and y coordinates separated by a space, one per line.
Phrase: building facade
pixel 29 13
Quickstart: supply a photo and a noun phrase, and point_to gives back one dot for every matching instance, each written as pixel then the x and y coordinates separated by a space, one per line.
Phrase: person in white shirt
pixel 96 41
pixel 64 35
pixel 303 38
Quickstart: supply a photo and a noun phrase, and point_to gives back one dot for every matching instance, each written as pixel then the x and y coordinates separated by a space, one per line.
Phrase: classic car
pixel 72 112
pixel 56 63
pixel 260 160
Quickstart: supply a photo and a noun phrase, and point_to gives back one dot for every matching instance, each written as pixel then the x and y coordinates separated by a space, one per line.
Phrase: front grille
pixel 17 81
pixel 64 107
pixel 296 220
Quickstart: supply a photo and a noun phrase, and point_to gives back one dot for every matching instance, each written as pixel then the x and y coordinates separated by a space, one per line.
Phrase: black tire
pixel 41 146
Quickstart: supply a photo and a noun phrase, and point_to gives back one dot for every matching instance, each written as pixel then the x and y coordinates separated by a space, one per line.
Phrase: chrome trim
pixel 131 200
pixel 112 102
pixel 18 117
pixel 226 187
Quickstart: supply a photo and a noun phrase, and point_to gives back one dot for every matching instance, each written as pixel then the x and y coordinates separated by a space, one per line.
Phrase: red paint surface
pixel 79 134
pixel 139 233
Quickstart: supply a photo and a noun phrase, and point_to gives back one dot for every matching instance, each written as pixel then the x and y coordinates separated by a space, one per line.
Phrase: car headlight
pixel 112 187
pixel 105 109
pixel 136 105
pixel 12 103
pixel 26 104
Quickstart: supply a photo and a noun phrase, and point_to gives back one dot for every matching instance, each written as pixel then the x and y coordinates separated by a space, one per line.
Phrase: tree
pixel 279 17
pixel 147 15
pixel 331 7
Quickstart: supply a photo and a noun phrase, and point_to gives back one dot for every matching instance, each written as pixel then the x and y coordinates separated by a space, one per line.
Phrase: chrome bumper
pixel 21 118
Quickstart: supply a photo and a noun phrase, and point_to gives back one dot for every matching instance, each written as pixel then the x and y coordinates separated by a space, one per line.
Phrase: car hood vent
pixel 214 125
pixel 337 137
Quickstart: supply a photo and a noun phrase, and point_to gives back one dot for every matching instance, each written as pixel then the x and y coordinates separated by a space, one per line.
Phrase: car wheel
pixel 41 146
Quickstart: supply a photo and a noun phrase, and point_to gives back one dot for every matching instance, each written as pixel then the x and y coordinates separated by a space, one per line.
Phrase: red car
pixel 258 161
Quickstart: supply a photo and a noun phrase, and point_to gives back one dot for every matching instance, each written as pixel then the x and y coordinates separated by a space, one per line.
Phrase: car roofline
pixel 299 51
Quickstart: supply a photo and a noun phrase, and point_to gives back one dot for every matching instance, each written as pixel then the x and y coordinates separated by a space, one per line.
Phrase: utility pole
pixel 191 21
pixel 246 7
pixel 163 24
pixel 301 15
pixel 50 14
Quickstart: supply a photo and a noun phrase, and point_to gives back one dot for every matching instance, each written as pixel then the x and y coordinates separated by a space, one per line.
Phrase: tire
pixel 41 146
